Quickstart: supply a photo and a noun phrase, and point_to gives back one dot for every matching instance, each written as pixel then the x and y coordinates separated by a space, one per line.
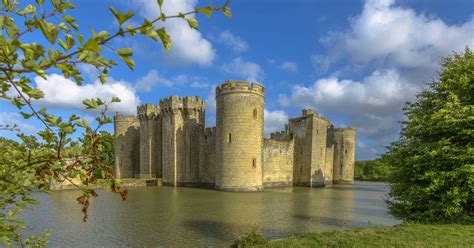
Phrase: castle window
pixel 345 151
pixel 254 163
pixel 255 113
pixel 229 138
pixel 317 131
pixel 122 147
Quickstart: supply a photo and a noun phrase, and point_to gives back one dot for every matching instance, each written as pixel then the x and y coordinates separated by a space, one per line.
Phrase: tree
pixel 433 161
pixel 36 161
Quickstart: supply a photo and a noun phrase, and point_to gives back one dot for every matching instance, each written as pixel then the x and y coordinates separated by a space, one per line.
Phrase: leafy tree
pixel 371 170
pixel 433 161
pixel 36 161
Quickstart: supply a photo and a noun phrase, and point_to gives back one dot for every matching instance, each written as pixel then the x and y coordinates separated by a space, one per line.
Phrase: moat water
pixel 197 217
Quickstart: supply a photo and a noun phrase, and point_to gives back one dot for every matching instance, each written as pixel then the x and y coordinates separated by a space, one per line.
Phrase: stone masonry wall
pixel 344 151
pixel 300 130
pixel 126 147
pixel 277 163
pixel 207 169
pixel 150 141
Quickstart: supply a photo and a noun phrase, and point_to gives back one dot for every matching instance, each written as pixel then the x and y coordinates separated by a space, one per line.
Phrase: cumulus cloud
pixel 381 93
pixel 395 51
pixel 386 34
pixel 289 66
pixel 232 41
pixel 249 71
pixel 153 79
pixel 64 93
pixel 189 46
pixel 274 121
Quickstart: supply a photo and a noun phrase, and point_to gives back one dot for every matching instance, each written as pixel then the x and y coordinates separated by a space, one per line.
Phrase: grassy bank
pixel 405 235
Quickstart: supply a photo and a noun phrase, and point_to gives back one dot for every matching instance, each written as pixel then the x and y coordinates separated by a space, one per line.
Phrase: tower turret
pixel 150 141
pixel 239 136
pixel 344 155
pixel 183 131
pixel 126 145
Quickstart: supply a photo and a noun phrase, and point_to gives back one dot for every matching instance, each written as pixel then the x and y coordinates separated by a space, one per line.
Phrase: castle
pixel 169 141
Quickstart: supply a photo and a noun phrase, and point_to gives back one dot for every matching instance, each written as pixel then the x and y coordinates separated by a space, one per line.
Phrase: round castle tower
pixel 126 142
pixel 239 136
pixel 150 154
pixel 344 153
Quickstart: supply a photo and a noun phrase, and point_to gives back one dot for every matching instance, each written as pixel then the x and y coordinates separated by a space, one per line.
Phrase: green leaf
pixel 90 103
pixel 130 62
pixel 165 38
pixel 49 30
pixel 121 17
pixel 92 45
pixel 115 99
pixel 126 52
pixel 207 11
pixel 160 2
pixel 35 93
pixel 193 23
pixel 227 12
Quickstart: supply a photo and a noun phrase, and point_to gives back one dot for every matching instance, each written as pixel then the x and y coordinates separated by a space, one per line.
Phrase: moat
pixel 170 216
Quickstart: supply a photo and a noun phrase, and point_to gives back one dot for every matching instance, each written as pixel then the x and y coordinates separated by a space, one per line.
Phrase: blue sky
pixel 354 62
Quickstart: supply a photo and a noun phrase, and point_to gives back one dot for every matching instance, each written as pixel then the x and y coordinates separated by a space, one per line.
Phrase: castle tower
pixel 239 136
pixel 344 155
pixel 150 141
pixel 182 134
pixel 310 134
pixel 126 145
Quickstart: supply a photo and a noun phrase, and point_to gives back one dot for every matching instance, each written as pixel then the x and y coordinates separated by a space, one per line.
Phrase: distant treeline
pixel 371 170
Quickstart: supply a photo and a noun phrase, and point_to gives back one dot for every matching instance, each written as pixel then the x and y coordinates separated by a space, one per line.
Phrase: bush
pixel 254 238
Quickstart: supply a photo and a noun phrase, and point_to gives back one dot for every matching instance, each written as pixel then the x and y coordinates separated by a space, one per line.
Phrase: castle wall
pixel 318 158
pixel 277 163
pixel 126 146
pixel 329 164
pixel 344 155
pixel 207 169
pixel 150 141
pixel 182 130
pixel 239 136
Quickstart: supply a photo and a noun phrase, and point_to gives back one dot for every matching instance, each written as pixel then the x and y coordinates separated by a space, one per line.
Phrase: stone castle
pixel 169 141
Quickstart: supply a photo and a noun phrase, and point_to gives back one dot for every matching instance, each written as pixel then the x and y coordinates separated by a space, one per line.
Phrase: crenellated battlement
pixel 210 131
pixel 148 111
pixel 119 117
pixel 236 86
pixel 280 135
pixel 178 102
pixel 345 129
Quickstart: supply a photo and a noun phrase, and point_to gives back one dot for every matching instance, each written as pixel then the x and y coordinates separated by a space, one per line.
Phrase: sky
pixel 354 62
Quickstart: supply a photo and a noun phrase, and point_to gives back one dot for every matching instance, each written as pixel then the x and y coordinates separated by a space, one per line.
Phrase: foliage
pixel 252 239
pixel 432 175
pixel 405 235
pixel 105 151
pixel 38 38
pixel 371 170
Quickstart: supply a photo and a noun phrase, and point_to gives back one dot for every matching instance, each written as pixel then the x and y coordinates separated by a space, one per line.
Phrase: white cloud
pixel 189 46
pixel 11 119
pixel 249 71
pixel 386 34
pixel 199 85
pixel 64 93
pixel 274 121
pixel 289 66
pixel 153 79
pixel 232 41
pixel 382 93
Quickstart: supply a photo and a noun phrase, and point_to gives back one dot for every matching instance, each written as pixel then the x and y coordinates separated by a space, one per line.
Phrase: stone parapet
pixel 148 111
pixel 173 103
pixel 235 86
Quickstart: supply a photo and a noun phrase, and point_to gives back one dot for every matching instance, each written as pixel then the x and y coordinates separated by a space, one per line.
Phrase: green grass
pixel 405 235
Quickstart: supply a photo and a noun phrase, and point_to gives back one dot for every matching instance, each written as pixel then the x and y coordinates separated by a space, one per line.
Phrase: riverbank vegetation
pixel 404 235
pixel 371 170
